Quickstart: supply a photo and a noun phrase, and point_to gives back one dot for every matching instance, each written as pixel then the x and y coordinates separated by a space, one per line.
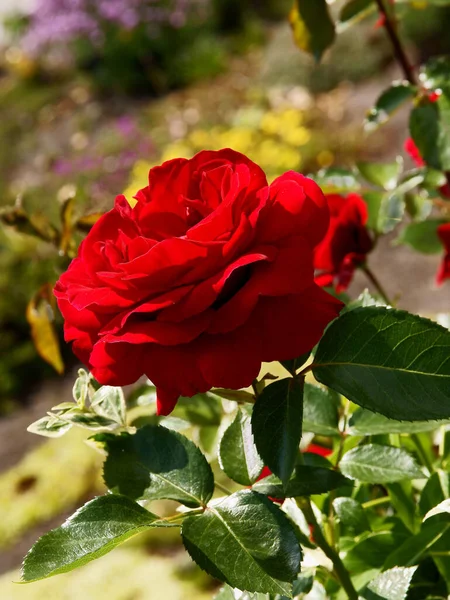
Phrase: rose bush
pixel 208 275
pixel 346 242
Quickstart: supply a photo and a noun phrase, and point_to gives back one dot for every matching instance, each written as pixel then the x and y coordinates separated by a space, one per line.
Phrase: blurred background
pixel 94 92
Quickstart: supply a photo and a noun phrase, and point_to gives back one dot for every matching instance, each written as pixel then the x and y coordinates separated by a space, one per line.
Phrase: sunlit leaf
pixel 40 316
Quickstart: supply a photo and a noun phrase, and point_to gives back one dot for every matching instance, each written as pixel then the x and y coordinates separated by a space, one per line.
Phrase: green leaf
pixel 389 101
pixel 245 541
pixel 390 585
pixel 388 361
pixel 157 463
pixel 312 26
pixel 423 236
pixel 374 463
pixel 435 74
pixel 416 547
pixel 109 402
pixel 384 175
pixel 88 420
pixel 277 425
pixel 366 422
pixel 94 530
pixel 373 200
pixel 320 410
pixel 443 508
pixel 370 550
pixel 49 426
pixel 390 214
pixel 228 593
pixel 351 514
pixel 436 489
pixel 355 10
pixel 429 126
pixel 305 482
pixel 238 456
pixel 80 388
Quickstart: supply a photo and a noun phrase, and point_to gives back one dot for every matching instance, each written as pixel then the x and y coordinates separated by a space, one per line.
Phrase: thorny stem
pixel 376 283
pixel 340 571
pixel 397 45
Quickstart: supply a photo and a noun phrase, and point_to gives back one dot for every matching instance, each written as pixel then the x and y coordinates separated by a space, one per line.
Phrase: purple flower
pixel 63 21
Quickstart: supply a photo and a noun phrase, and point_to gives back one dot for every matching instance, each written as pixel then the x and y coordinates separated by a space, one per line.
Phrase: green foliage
pixel 389 101
pixel 306 481
pixel 263 561
pixel 372 355
pixel 374 463
pixel 430 129
pixel 95 529
pixel 238 456
pixel 277 425
pixel 423 236
pixel 390 585
pixel 155 463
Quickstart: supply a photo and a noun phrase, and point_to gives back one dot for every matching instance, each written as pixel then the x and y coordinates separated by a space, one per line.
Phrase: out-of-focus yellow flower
pixel 297 137
pixel 325 158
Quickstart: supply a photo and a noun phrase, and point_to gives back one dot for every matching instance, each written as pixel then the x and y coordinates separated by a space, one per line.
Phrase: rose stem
pixel 399 51
pixel 339 568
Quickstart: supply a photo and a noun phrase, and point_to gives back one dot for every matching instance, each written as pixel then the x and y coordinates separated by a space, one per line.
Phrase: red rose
pixel 444 270
pixel 346 243
pixel 320 450
pixel 414 153
pixel 208 275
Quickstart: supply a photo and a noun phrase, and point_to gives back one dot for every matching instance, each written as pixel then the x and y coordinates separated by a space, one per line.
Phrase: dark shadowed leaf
pixel 429 126
pixel 355 10
pixel 250 544
pixel 94 530
pixel 436 489
pixel 371 549
pixel 374 463
pixel 277 425
pixel 157 463
pixel 389 101
pixel 238 456
pixel 305 482
pixel 388 361
pixel 312 26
